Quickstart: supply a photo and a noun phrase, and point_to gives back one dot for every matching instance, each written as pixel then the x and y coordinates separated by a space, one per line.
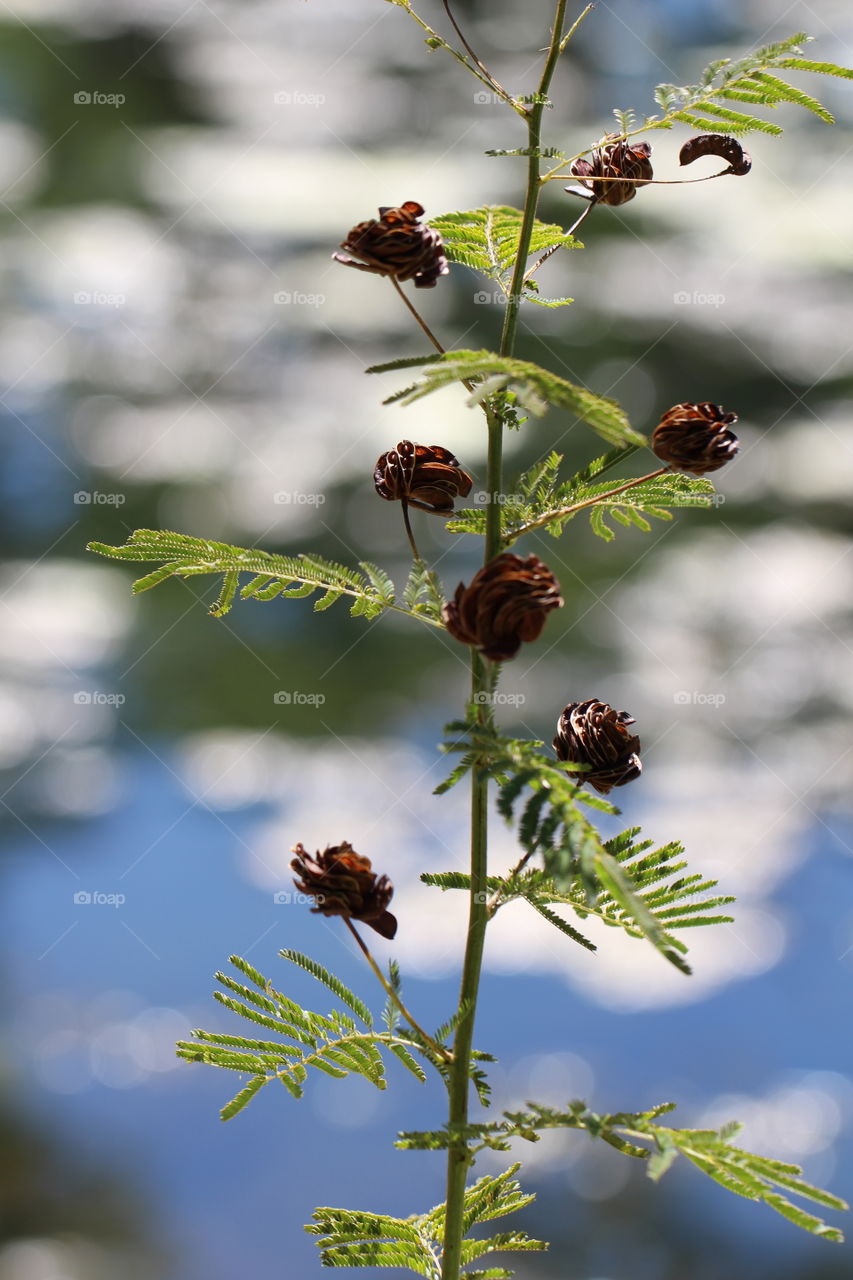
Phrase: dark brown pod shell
pixel 591 733
pixel 396 244
pixel 695 438
pixel 504 605
pixel 343 883
pixel 614 170
pixel 426 476
pixel 717 144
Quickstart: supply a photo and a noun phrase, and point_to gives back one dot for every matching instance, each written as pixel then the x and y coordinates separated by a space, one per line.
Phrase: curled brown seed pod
pixel 504 605
pixel 342 883
pixel 695 438
pixel 717 144
pixel 426 476
pixel 614 170
pixel 591 733
pixel 396 244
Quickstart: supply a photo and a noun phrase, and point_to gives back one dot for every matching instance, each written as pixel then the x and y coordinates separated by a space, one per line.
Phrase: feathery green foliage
pixel 533 387
pixel 335 1044
pixel 540 501
pixel 617 880
pixel 751 80
pixel 710 1150
pixel 487 240
pixel 369 587
pixel 352 1238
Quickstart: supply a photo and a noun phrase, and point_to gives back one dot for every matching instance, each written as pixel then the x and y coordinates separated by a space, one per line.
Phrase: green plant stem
pixel 440 1052
pixel 459 1156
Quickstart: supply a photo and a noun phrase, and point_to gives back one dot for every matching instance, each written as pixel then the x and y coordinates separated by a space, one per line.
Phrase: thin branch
pixel 418 557
pixel 554 247
pixel 499 89
pixel 438 1049
pixel 413 309
pixel 563 512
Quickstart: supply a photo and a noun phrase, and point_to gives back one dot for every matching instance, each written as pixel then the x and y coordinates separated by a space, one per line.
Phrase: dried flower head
pixel 717 144
pixel 695 438
pixel 615 170
pixel 504 605
pixel 593 734
pixel 342 883
pixel 396 244
pixel 425 475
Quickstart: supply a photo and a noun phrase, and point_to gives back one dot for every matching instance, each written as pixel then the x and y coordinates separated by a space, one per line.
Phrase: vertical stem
pixel 458 1156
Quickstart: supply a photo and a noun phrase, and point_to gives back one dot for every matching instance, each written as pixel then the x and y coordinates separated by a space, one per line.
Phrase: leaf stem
pixel 459 1156
pixel 439 1050
pixel 413 309
pixel 563 512
pixel 498 87
pixel 404 504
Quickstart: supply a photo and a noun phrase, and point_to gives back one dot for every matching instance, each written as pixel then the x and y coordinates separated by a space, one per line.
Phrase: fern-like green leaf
pixel 533 387
pixel 369 587
pixel 487 239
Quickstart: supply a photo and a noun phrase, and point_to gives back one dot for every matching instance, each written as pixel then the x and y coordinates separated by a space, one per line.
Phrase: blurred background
pixel 178 350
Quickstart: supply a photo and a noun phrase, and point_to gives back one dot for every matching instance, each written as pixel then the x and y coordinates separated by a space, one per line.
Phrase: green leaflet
pixel 352 1238
pixel 332 1044
pixel 539 499
pixel 750 80
pixel 533 387
pixel 711 1151
pixel 369 587
pixel 487 239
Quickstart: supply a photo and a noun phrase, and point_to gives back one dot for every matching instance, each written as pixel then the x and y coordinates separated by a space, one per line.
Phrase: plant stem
pixel 499 89
pixel 439 1050
pixel 404 504
pixel 562 512
pixel 458 1155
pixel 413 309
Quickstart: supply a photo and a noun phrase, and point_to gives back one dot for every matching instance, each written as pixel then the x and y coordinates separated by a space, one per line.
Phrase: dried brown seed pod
pixel 342 883
pixel 396 244
pixel 426 476
pixel 504 604
pixel 611 161
pixel 717 144
pixel 695 438
pixel 593 734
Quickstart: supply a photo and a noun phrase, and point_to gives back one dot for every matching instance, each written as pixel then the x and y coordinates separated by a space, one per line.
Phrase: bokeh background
pixel 178 350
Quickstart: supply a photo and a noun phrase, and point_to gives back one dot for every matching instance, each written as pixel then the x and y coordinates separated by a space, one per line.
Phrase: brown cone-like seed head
pixel 592 733
pixel 396 244
pixel 342 883
pixel 624 160
pixel 504 604
pixel 695 438
pixel 426 475
pixel 717 144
